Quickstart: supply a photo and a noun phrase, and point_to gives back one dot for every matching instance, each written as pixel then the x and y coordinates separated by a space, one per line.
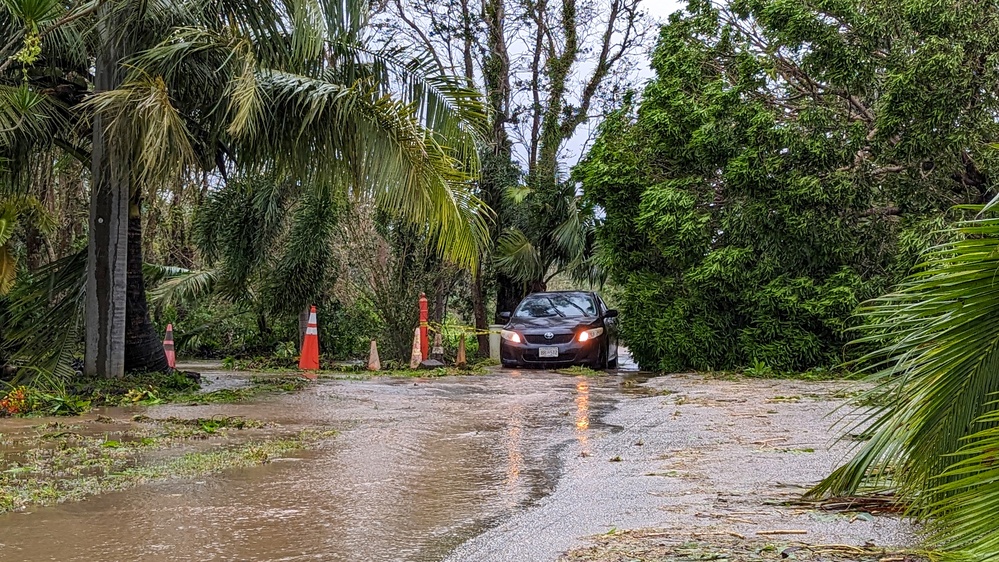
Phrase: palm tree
pixel 934 426
pixel 268 246
pixel 286 88
pixel 560 240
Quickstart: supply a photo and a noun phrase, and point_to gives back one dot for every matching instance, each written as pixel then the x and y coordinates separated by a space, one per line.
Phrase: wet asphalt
pixel 511 466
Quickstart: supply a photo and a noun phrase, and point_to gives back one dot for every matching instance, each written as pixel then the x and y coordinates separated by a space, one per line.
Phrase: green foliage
pixel 347 329
pixel 285 350
pixel 214 327
pixel 23 400
pixel 789 161
pixel 14 209
pixel 453 331
pixel 212 97
pixel 932 416
pixel 551 232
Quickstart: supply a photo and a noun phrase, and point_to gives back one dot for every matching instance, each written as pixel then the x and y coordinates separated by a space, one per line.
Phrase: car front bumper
pixel 572 353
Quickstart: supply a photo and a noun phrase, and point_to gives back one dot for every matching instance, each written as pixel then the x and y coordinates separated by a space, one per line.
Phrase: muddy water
pixel 419 468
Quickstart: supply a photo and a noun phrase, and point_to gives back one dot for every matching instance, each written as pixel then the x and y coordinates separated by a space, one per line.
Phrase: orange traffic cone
pixel 168 347
pixel 374 364
pixel 417 357
pixel 461 361
pixel 310 347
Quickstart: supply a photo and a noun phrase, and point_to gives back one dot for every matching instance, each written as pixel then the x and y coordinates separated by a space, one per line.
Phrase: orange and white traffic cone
pixel 171 357
pixel 310 347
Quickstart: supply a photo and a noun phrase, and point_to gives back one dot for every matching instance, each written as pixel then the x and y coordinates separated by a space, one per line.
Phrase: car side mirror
pixel 612 313
pixel 505 315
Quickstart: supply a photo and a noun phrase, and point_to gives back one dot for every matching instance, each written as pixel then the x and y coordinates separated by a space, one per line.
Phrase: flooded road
pixel 420 467
pixel 510 466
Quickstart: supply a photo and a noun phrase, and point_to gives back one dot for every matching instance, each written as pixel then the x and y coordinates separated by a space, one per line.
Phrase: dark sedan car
pixel 560 328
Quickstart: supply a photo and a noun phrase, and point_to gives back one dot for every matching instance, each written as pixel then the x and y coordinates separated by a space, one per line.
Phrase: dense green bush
pixel 347 329
pixel 770 178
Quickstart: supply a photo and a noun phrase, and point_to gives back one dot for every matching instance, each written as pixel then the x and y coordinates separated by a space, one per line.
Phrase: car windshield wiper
pixel 555 308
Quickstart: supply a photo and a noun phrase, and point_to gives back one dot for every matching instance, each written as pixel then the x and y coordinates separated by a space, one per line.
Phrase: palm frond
pixel 153 273
pixel 26 116
pixel 518 257
pixel 936 369
pixel 8 269
pixel 364 121
pixel 46 316
pixel 518 193
pixel 185 287
pixel 141 110
pixel 34 13
pixel 337 135
pixel 570 236
pixel 961 522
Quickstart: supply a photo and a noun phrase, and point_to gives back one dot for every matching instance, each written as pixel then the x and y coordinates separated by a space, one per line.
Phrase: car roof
pixel 589 293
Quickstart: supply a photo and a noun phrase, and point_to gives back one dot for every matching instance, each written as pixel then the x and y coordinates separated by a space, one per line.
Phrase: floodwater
pixel 420 467
pixel 508 467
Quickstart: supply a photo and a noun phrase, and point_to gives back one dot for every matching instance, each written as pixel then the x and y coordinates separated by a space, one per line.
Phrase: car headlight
pixel 587 335
pixel 510 335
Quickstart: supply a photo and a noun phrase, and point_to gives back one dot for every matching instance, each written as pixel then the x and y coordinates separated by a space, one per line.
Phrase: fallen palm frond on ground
pixel 691 546
pixel 880 504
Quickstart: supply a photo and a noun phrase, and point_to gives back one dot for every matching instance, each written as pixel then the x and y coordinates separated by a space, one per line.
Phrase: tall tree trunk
pixel 143 348
pixel 509 292
pixel 499 173
pixel 479 310
pixel 303 324
pixel 108 240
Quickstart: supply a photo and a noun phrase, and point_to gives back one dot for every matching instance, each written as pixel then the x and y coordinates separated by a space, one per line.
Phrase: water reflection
pixel 583 414
pixel 417 470
pixel 514 449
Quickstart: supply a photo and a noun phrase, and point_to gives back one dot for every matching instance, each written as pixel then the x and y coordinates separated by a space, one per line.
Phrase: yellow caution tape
pixel 452 328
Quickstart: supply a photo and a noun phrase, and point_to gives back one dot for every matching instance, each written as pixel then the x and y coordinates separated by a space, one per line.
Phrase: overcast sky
pixel 663 8
pixel 658 10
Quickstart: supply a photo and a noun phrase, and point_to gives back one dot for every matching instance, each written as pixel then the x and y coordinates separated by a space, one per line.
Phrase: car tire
pixel 601 363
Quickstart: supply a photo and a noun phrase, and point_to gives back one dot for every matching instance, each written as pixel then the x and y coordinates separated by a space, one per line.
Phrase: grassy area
pixel 69 462
pixel 579 370
pixel 259 385
pixel 80 395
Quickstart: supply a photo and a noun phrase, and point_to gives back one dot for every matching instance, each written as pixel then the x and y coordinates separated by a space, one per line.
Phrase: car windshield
pixel 565 305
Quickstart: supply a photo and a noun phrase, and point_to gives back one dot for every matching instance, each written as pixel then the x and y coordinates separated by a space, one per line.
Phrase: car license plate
pixel 548 352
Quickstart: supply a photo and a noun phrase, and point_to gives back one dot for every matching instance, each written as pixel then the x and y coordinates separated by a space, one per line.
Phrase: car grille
pixel 540 339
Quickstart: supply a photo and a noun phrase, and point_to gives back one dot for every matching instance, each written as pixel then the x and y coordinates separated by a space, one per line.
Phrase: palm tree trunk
pixel 143 348
pixel 108 234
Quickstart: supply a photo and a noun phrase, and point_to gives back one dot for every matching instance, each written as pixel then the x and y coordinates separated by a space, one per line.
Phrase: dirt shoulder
pixel 693 468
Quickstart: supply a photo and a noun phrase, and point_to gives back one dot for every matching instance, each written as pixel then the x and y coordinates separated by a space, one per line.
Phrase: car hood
pixel 550 323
